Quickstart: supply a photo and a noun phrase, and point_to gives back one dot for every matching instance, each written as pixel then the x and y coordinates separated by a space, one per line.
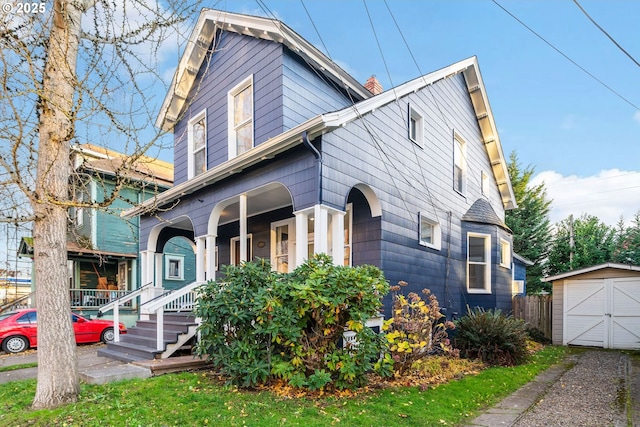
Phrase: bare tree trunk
pixel 58 381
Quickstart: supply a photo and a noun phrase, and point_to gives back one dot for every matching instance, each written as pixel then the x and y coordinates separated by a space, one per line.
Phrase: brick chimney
pixel 373 85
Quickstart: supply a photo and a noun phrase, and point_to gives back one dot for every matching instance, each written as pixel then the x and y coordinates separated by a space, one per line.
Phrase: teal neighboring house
pixel 102 246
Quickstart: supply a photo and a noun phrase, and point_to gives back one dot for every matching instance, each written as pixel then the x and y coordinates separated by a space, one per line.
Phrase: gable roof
pixel 209 22
pixel 105 161
pixel 612 265
pixel 327 122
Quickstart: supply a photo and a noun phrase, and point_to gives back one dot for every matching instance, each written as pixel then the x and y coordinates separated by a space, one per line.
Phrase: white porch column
pixel 210 258
pixel 302 237
pixel 337 237
pixel 321 231
pixel 243 227
pixel 200 261
pixel 159 271
pixel 146 272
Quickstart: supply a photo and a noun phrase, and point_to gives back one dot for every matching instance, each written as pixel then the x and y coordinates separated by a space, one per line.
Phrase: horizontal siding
pixel 235 58
pixel 305 94
pixel 409 179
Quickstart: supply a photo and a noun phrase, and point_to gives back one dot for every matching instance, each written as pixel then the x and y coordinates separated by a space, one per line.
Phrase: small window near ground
pixel 174 267
pixel 505 253
pixel 430 232
pixel 416 126
pixel 478 263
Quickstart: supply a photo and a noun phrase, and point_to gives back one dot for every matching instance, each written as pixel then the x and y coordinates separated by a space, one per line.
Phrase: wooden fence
pixel 535 310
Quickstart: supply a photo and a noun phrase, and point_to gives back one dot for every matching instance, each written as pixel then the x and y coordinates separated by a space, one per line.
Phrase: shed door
pixel 584 313
pixel 603 313
pixel 625 313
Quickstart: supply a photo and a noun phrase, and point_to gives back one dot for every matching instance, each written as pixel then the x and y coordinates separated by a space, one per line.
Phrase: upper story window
pixel 197 162
pixel 240 103
pixel 478 263
pixel 430 232
pixel 459 164
pixel 484 179
pixel 416 126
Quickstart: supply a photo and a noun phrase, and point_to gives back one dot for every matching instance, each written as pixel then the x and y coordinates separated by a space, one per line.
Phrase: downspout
pixel 318 156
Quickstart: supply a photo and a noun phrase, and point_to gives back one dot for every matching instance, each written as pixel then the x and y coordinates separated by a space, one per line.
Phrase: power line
pixel 566 57
pixel 606 33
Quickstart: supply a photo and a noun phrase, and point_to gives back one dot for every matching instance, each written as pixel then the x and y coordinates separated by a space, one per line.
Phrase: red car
pixel 19 330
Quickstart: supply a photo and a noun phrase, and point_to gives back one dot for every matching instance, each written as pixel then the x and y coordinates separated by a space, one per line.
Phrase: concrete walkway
pixel 96 369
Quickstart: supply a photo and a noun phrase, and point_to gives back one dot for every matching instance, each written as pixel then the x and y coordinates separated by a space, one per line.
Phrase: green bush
pixel 258 324
pixel 228 336
pixel 492 337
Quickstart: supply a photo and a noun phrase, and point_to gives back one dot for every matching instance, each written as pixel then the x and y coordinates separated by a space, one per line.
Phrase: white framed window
pixel 478 263
pixel 240 117
pixel 235 249
pixel 430 233
pixel 197 140
pixel 505 253
pixel 416 126
pixel 484 180
pixel 459 164
pixel 173 267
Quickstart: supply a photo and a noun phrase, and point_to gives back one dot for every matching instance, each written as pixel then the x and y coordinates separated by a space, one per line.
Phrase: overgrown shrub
pixel 492 337
pixel 228 336
pixel 258 324
pixel 537 335
pixel 416 329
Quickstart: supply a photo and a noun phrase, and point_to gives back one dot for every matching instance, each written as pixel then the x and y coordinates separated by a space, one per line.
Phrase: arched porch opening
pixel 364 233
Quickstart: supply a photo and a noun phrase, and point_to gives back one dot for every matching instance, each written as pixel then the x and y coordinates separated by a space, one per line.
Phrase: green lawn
pixel 191 399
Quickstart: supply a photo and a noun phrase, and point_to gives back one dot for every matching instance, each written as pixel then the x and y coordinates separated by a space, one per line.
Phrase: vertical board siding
pixel 408 179
pixel 536 310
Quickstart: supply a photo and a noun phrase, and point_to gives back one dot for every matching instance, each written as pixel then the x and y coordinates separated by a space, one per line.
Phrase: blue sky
pixel 582 139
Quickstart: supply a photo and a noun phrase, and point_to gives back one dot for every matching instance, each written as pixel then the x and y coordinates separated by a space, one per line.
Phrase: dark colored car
pixel 19 330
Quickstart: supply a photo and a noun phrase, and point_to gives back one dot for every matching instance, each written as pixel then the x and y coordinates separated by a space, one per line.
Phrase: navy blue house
pixel 279 154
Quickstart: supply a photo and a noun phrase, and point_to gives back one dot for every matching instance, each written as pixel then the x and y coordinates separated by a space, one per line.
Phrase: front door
pixel 283 240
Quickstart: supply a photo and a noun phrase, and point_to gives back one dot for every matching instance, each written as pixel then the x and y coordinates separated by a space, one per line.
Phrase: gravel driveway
pixel 592 393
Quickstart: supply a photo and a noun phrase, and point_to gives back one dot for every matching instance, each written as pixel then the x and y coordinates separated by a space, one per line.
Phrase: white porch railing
pixel 126 299
pixel 183 299
pixel 93 298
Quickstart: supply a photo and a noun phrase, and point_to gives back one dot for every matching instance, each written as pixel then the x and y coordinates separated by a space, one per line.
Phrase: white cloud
pixel 571 122
pixel 608 195
pixel 636 116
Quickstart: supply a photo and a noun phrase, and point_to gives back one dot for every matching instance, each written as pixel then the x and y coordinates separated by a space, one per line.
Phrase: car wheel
pixel 107 335
pixel 15 344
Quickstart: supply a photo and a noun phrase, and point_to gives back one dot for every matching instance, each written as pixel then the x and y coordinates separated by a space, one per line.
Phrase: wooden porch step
pixel 174 364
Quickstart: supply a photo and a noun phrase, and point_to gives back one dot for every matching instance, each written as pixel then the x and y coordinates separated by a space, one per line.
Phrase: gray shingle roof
pixel 482 212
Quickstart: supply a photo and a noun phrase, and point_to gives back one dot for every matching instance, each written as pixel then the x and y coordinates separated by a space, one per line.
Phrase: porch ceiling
pixel 258 201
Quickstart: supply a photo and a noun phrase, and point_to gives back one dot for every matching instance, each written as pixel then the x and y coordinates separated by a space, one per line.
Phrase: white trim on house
pixel 592 268
pixel 487 262
pixel 232 126
pixel 191 169
pixel 327 122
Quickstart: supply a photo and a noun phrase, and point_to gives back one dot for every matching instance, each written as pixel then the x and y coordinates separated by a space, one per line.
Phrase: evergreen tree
pixel 580 243
pixel 627 242
pixel 529 222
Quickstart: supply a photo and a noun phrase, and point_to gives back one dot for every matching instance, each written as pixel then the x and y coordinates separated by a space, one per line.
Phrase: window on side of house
pixel 197 162
pixel 173 267
pixel 459 164
pixel 430 234
pixel 478 263
pixel 416 126
pixel 484 179
pixel 240 105
pixel 505 253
